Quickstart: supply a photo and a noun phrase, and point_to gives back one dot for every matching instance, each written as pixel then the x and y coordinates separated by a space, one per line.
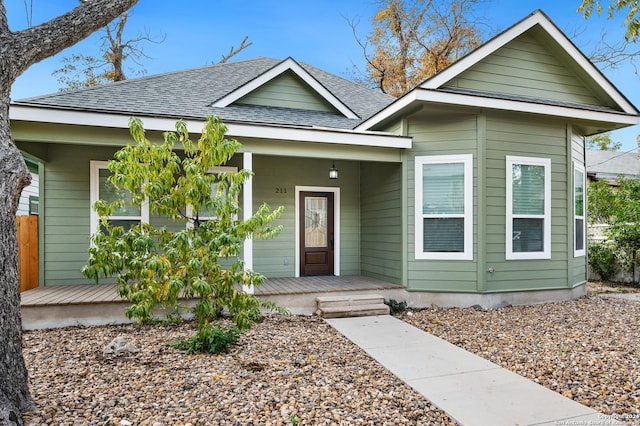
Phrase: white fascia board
pixel 393 108
pixel 537 18
pixel 286 65
pixel 433 96
pixel 238 130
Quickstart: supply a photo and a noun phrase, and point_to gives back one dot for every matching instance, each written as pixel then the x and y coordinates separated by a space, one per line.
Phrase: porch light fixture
pixel 333 172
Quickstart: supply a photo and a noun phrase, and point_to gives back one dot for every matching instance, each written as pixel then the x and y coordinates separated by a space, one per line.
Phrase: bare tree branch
pixel 233 51
pixel 413 39
pixel 36 43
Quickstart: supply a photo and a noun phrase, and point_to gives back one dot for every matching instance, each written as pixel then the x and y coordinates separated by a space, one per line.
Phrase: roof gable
pixel 526 67
pixel 287 74
pixel 532 59
pixel 287 90
pixel 533 68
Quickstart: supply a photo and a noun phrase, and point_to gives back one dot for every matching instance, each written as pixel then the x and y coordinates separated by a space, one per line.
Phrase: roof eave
pixel 235 129
pixel 447 98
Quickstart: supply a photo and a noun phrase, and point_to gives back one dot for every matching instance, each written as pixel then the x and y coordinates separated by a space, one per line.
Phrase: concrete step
pixel 351 306
pixel 350 300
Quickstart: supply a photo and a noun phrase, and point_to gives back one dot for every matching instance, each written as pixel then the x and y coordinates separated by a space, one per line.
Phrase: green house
pixel 467 190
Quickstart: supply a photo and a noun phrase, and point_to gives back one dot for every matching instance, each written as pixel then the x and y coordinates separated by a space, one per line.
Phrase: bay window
pixel 444 207
pixel 579 222
pixel 528 215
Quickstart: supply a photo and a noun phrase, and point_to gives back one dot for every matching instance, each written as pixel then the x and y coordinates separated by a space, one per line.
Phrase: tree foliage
pixel 202 260
pixel 413 39
pixel 630 7
pixel 603 142
pixel 619 207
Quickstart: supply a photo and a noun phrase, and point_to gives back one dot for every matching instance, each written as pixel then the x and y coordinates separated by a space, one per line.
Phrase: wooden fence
pixel 27 231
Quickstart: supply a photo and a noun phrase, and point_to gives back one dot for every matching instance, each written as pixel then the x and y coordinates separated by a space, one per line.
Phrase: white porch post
pixel 247 212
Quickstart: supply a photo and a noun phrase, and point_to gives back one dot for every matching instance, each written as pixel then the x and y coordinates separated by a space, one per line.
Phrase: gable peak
pixel 288 65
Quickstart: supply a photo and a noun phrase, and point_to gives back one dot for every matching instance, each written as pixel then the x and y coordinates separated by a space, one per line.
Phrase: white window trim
pixel 94 196
pixel 212 170
pixel 546 249
pixel 580 168
pixel 467 254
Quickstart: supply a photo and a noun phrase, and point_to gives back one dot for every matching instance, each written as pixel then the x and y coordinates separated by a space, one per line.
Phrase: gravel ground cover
pixel 285 371
pixel 586 349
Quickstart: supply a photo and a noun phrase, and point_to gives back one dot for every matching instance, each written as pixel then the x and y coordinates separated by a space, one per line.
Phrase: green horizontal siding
pixel 514 134
pixel 449 134
pixel 275 181
pixel 381 221
pixel 66 211
pixel 527 67
pixel 287 91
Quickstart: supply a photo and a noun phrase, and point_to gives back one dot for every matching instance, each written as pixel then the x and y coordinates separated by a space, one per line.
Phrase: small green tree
pixel 603 142
pixel 619 208
pixel 155 266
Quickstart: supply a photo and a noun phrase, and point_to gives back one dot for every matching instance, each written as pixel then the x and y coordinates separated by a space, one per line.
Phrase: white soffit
pixel 236 130
pixel 287 65
pixel 536 18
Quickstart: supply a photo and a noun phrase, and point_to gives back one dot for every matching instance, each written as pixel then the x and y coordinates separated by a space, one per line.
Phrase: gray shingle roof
pixel 189 94
pixel 610 164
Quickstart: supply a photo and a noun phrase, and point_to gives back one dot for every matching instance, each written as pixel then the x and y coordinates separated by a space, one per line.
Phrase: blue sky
pixel 199 32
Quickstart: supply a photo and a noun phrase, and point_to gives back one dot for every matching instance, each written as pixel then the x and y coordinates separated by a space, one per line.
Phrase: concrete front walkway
pixel 470 389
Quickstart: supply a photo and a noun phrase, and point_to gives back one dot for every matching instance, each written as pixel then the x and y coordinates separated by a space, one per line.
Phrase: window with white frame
pixel 528 216
pixel 205 215
pixel 579 222
pixel 101 189
pixel 444 207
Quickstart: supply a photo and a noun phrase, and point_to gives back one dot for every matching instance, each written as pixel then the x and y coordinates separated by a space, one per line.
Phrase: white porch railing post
pixel 247 212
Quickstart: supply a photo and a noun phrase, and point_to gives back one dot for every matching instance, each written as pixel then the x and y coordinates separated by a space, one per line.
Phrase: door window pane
pixel 315 221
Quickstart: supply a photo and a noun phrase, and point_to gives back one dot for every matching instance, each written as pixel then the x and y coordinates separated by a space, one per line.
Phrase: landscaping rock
pixel 118 346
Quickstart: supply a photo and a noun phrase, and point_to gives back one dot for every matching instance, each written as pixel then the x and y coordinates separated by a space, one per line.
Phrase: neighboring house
pixel 610 165
pixel 466 190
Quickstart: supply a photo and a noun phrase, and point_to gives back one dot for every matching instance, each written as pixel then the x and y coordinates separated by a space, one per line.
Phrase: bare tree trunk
pixel 18 51
pixel 14 391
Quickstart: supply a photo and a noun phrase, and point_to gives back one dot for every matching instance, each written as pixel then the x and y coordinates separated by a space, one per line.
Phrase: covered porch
pixel 85 305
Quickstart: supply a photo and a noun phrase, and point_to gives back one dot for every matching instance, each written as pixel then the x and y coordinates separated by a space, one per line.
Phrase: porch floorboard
pixel 88 294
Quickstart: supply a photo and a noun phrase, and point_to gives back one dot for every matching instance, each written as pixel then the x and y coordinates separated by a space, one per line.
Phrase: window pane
pixel 110 194
pixel 528 235
pixel 579 192
pixel 528 189
pixel 443 235
pixel 579 234
pixel 443 188
pixel 315 221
